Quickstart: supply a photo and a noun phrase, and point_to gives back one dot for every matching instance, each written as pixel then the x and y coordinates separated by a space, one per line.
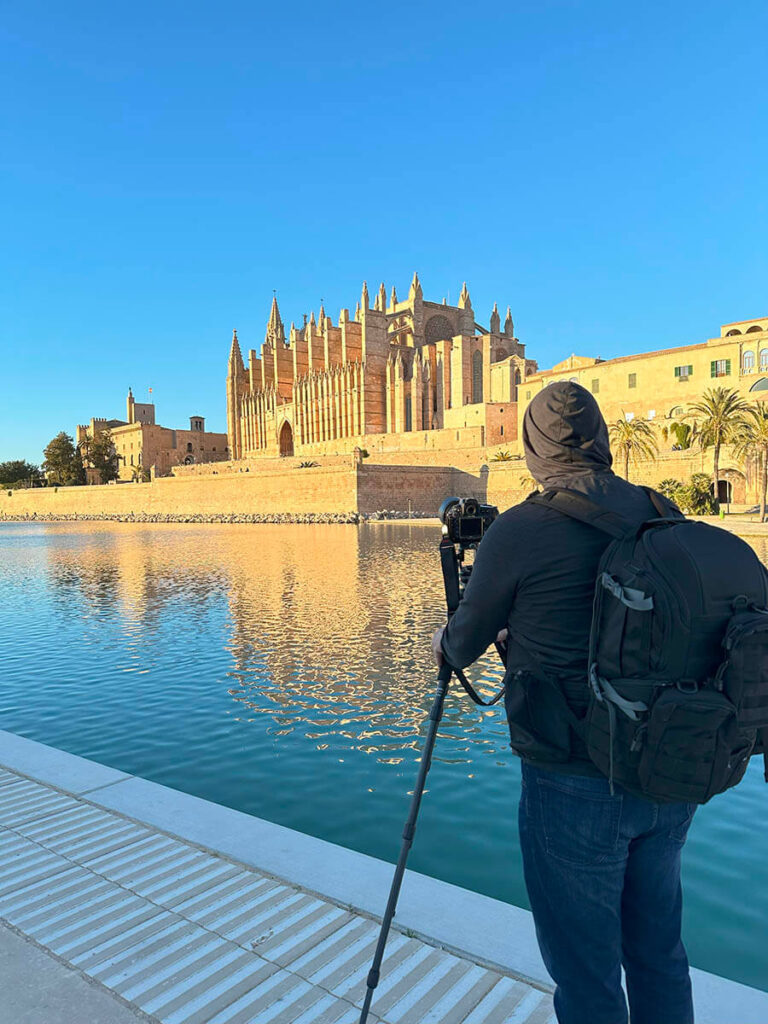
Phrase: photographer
pixel 602 870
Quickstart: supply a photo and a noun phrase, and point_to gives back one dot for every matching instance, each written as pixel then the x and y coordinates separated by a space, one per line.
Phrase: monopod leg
pixel 444 677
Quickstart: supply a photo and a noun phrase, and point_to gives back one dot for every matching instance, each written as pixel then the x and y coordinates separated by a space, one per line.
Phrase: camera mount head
pixel 465 521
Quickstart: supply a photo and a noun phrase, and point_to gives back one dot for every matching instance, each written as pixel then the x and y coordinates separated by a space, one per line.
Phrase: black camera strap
pixel 472 692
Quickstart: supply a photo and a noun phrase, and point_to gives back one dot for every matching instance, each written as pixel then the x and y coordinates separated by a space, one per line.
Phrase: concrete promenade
pixel 122 900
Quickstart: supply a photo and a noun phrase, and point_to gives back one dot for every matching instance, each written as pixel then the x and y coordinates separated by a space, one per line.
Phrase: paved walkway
pixel 113 921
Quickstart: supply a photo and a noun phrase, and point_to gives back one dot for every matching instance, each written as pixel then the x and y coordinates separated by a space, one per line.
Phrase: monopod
pixel 455 577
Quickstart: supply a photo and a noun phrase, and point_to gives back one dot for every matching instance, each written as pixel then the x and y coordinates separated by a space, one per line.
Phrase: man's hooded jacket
pixel 535 575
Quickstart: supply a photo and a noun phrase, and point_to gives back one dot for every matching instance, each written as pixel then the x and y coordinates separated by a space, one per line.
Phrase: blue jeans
pixel 603 878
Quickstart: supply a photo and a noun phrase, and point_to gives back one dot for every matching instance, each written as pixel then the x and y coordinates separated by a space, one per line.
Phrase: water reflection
pixel 328 630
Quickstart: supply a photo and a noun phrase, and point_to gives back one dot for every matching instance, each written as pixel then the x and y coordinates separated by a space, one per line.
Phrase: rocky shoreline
pixel 239 517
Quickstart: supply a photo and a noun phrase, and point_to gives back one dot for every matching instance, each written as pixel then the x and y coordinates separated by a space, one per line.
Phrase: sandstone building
pixel 393 368
pixel 659 386
pixel 141 443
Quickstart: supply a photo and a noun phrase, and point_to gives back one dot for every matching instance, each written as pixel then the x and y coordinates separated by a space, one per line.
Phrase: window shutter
pixel 713 368
pixel 677 371
pixel 727 367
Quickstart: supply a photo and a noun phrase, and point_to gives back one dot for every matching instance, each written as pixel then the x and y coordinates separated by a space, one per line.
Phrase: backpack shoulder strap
pixel 575 505
pixel 666 511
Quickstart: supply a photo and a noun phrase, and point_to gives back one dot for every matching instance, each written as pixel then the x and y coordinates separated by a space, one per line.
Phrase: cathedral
pixel 395 368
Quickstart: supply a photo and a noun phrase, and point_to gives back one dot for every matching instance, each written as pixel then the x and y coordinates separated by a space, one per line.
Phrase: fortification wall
pixel 339 486
pixel 420 489
pixel 327 490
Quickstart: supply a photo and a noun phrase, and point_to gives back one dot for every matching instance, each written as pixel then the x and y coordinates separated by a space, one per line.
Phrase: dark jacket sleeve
pixel 488 599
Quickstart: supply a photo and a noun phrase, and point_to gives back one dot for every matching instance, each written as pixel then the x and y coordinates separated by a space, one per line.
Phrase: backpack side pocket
pixel 694 747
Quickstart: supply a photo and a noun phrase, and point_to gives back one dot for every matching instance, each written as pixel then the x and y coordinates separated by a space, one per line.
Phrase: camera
pixel 465 520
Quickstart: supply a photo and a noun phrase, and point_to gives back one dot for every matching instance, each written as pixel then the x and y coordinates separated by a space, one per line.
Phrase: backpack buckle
pixel 594 682
pixel 687 685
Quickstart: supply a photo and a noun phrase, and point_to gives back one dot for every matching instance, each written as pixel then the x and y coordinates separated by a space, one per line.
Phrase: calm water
pixel 285 671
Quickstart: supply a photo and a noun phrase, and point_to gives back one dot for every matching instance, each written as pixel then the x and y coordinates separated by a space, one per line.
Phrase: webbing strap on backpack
pixel 577 506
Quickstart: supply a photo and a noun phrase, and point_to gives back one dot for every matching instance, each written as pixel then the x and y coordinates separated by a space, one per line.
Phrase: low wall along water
pixel 341 486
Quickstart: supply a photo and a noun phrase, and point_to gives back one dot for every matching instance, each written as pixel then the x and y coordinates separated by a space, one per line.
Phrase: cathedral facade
pixel 394 368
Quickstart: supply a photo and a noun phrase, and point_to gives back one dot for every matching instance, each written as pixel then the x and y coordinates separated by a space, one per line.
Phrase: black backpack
pixel 678 653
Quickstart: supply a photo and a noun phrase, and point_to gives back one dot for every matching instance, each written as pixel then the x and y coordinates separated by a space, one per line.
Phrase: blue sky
pixel 599 166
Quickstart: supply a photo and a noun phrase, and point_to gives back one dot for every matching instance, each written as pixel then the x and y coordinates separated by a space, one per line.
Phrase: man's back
pixel 602 867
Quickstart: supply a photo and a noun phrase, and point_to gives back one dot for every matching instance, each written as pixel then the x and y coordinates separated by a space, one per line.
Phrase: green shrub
pixel 695 497
pixel 668 487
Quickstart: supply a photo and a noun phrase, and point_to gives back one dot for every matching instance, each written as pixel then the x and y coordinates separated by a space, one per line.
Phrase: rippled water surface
pixel 285 671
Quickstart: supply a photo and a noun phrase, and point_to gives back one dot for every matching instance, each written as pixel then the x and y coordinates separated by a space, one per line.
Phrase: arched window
pixel 763 359
pixel 754 330
pixel 189 446
pixel 748 362
pixel 477 377
pixel 732 334
pixel 760 385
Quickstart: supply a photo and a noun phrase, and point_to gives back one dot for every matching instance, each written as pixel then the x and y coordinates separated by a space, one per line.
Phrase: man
pixel 602 871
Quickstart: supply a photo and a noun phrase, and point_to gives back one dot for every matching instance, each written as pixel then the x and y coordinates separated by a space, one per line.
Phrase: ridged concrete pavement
pixel 188 936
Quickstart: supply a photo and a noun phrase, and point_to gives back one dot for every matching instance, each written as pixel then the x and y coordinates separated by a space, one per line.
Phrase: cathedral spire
pixel 364 303
pixel 381 298
pixel 236 364
pixel 357 311
pixel 234 352
pixel 321 317
pixel 509 327
pixel 393 299
pixel 464 299
pixel 275 328
pixel 495 320
pixel 415 291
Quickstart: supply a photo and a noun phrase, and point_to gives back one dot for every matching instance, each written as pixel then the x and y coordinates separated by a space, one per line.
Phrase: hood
pixel 564 435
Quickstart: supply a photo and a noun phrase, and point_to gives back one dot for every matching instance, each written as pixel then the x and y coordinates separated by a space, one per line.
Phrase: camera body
pixel 465 520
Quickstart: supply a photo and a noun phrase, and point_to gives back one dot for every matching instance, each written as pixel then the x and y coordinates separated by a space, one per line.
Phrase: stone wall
pixel 341 486
pixel 419 489
pixel 326 490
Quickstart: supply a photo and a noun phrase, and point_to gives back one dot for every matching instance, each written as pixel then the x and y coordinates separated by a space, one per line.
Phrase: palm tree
pixel 632 440
pixel 751 442
pixel 717 417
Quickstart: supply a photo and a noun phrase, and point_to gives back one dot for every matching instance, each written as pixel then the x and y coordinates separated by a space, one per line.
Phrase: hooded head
pixel 564 435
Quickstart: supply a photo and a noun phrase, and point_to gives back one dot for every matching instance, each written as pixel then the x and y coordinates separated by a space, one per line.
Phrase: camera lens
pixel 448 504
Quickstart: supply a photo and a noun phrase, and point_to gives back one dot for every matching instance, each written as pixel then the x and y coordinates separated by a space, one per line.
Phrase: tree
pixel 751 441
pixel 718 418
pixel 18 473
pixel 63 465
pixel 103 456
pixel 633 440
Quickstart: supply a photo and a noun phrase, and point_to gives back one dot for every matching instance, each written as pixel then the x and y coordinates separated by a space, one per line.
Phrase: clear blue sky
pixel 599 166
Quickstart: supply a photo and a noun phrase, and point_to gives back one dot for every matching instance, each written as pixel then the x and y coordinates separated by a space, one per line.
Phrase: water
pixel 286 671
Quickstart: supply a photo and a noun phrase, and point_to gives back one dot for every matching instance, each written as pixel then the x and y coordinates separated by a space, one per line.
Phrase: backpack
pixel 678 653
